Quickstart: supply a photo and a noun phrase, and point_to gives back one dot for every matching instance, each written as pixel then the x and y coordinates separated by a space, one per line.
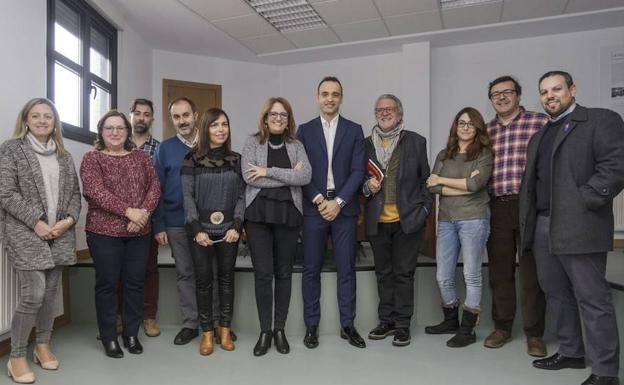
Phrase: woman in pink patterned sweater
pixel 122 190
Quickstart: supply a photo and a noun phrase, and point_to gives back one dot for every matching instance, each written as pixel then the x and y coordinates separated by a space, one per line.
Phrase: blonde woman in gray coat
pixel 40 200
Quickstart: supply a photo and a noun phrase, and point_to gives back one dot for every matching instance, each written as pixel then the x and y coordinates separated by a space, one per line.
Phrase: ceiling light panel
pixel 446 4
pixel 288 15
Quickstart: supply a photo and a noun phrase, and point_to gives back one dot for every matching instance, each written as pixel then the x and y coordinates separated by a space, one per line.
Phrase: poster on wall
pixel 612 78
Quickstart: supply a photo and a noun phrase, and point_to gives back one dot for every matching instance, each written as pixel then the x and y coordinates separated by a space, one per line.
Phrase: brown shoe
pixel 536 347
pixel 226 338
pixel 497 339
pixel 151 328
pixel 206 346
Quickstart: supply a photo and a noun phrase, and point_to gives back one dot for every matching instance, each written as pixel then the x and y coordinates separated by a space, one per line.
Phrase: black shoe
pixel 465 334
pixel 185 336
pixel 311 337
pixel 113 349
pixel 557 362
pixel 263 344
pixel 349 333
pixel 600 380
pixel 281 343
pixel 462 339
pixel 449 325
pixel 132 344
pixel 401 337
pixel 381 331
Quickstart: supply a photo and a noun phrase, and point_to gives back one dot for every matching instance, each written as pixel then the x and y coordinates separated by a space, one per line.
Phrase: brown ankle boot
pixel 226 338
pixel 205 345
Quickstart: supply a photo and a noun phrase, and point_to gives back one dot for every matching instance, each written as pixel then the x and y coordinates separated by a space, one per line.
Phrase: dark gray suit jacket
pixel 413 199
pixel 587 173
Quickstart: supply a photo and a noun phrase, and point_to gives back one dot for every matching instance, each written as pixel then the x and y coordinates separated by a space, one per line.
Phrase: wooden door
pixel 204 95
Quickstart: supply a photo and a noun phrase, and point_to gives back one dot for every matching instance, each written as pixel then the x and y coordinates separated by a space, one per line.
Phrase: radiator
pixel 8 292
pixel 618 212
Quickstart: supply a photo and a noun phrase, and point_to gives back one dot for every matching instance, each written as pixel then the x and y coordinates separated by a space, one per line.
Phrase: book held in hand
pixel 374 170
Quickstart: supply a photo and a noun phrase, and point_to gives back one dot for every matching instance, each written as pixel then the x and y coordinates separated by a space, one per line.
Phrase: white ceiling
pixel 231 28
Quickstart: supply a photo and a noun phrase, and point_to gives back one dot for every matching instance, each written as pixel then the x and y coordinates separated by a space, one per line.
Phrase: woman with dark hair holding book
pixel 214 202
pixel 460 176
pixel 396 208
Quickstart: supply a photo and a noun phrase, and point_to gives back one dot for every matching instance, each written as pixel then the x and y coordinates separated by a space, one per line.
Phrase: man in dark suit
pixel 335 148
pixel 575 167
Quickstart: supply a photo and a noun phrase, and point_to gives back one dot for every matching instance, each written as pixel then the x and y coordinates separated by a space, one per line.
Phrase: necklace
pixel 275 146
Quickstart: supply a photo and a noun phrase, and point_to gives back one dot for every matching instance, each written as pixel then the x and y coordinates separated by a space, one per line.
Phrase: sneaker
pixel 401 337
pixel 381 331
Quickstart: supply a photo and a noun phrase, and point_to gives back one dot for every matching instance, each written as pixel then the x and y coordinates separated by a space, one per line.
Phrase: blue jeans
pixel 470 236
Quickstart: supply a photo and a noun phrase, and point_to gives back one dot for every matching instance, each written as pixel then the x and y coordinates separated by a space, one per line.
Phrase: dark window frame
pixel 89 18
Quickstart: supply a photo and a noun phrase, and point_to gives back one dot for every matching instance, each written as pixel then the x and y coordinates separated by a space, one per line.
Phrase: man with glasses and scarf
pixel 397 205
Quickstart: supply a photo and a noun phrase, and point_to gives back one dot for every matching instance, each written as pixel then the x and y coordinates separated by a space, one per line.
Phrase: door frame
pixel 167 83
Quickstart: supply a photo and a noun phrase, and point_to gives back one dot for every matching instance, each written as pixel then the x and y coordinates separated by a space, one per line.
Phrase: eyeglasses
pixel 385 110
pixel 499 94
pixel 112 128
pixel 462 124
pixel 275 115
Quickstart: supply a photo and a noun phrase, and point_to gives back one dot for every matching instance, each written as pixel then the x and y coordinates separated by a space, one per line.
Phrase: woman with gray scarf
pixel 40 198
pixel 397 206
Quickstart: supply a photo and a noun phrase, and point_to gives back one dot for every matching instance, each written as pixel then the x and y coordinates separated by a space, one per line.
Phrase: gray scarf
pixel 385 153
pixel 46 149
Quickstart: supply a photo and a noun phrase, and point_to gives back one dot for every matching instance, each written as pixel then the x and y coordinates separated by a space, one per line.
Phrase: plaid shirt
pixel 510 150
pixel 150 146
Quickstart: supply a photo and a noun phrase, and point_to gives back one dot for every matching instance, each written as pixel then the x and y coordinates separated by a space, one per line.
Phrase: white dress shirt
pixel 329 132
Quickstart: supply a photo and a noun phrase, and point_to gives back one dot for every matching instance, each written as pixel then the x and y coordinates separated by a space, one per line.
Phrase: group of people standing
pixel 532 188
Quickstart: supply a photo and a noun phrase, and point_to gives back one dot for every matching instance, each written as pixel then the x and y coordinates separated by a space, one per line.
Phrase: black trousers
pixel 273 249
pixel 225 254
pixel 395 254
pixel 118 259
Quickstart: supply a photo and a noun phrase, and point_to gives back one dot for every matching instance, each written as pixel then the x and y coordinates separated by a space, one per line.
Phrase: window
pixel 82 66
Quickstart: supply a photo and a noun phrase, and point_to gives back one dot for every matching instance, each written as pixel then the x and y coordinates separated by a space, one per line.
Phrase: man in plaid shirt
pixel 141 119
pixel 509 132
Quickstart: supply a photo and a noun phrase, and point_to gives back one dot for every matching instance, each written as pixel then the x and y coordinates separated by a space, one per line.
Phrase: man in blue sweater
pixel 168 219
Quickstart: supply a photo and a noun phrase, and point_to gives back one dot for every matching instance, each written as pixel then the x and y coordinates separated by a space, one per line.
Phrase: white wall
pixel 245 86
pixel 23 68
pixel 460 74
pixel 363 80
pixel 405 74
